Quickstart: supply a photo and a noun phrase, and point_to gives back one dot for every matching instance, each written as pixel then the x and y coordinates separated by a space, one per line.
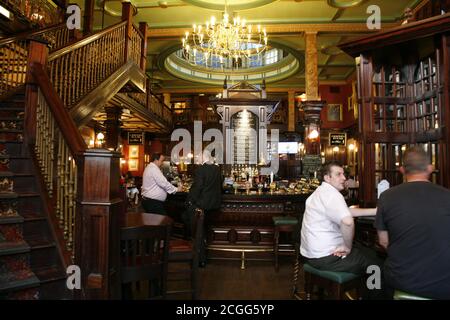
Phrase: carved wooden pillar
pixel 291 111
pixel 38 53
pixel 99 209
pixel 88 26
pixel 127 15
pixel 144 30
pixel 166 97
pixel 112 125
pixel 311 76
pixel 312 107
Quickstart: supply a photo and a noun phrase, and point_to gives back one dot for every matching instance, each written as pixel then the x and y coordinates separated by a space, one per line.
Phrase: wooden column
pixel 38 53
pixel 99 210
pixel 167 99
pixel 291 111
pixel 112 125
pixel 312 106
pixel 311 76
pixel 445 78
pixel 127 15
pixel 88 19
pixel 366 154
pixel 144 30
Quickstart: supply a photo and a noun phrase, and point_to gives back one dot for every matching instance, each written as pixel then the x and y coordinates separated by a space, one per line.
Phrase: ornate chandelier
pixel 216 43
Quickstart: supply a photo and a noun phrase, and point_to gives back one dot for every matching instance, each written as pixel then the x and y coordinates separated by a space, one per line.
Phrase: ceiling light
pixel 231 38
pixel 5 12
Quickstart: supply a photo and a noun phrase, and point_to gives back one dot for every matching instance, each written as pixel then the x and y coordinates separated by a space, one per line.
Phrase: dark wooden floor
pixel 224 280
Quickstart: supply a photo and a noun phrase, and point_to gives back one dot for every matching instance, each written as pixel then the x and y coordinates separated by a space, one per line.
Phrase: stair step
pixel 8 195
pixel 17 280
pixel 33 217
pixel 11 219
pixel 15 119
pixel 8 248
pixel 11 130
pixel 50 273
pixel 38 242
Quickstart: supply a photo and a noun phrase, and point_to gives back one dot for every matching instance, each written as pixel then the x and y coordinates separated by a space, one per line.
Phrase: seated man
pixel 413 222
pixel 328 227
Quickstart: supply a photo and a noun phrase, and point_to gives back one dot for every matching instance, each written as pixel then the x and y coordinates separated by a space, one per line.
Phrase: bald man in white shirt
pixel 155 186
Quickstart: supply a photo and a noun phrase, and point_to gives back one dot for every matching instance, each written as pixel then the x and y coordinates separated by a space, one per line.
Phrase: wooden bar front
pixel 244 223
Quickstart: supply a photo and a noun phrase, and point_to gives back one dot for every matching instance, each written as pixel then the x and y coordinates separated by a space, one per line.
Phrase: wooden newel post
pixel 99 210
pixel 38 53
pixel 144 30
pixel 127 15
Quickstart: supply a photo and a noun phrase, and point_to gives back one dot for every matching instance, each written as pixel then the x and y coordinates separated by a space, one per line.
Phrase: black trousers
pixel 356 262
pixel 188 218
pixel 153 206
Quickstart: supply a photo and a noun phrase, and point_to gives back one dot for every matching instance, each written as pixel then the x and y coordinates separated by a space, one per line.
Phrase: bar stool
pixel 335 283
pixel 282 224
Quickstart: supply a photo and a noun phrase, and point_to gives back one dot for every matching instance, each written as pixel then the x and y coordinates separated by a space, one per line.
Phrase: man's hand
pixel 341 251
pixel 180 188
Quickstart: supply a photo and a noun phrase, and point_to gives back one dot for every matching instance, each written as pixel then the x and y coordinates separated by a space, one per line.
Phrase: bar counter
pixel 244 222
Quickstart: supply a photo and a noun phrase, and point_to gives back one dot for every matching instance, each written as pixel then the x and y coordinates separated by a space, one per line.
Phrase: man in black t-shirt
pixel 413 222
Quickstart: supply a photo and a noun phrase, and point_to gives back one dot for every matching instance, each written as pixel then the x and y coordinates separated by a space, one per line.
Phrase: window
pixel 271 56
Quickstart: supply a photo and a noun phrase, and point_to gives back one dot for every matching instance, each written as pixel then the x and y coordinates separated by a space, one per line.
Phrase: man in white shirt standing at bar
pixel 155 186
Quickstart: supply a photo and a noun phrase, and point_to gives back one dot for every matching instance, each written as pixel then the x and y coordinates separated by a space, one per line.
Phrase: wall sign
pixel 338 139
pixel 135 138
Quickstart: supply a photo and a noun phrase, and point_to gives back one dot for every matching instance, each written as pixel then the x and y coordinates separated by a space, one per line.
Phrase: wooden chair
pixel 187 252
pixel 144 257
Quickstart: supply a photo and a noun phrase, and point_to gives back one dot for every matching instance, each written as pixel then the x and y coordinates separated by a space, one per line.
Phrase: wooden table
pixel 147 219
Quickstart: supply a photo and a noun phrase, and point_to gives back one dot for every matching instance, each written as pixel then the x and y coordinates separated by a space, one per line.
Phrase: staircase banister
pixel 160 101
pixel 68 128
pixel 28 34
pixel 58 53
pixel 136 28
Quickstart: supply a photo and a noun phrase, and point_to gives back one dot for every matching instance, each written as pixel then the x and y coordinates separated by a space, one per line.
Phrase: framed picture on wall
pixel 334 112
pixel 133 164
pixel 133 152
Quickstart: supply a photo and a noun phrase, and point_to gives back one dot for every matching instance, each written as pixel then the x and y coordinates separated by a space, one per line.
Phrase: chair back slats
pixel 145 252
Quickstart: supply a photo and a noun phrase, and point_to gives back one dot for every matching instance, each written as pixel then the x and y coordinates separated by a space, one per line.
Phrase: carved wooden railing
pixel 14 54
pixel 53 151
pixel 39 12
pixel 78 69
pixel 83 189
pixel 154 104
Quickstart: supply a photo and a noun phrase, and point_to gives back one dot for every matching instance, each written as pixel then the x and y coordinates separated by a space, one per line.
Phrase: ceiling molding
pixel 340 4
pixel 220 5
pixel 284 28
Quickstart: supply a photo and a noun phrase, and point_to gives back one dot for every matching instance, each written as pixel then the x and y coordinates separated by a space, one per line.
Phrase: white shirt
pixel 155 185
pixel 321 232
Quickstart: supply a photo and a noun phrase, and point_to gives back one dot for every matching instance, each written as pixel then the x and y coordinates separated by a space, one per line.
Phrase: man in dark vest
pixel 206 194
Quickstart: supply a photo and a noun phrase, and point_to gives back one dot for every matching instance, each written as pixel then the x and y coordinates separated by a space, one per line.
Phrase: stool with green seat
pixel 335 283
pixel 282 224
pixel 402 295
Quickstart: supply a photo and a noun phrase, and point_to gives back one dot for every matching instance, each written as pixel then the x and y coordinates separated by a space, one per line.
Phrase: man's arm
pixel 383 238
pixel 163 183
pixel 348 230
pixel 363 212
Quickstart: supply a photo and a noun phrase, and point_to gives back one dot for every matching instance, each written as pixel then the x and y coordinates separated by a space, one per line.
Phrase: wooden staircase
pixel 30 264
